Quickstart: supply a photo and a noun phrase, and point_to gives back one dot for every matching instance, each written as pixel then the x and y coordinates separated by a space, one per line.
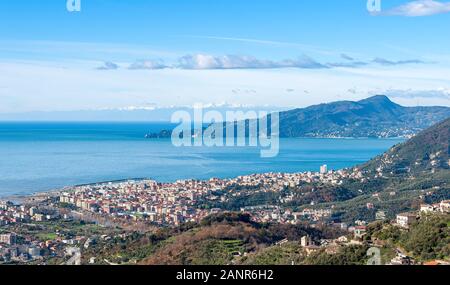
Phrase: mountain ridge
pixel 376 116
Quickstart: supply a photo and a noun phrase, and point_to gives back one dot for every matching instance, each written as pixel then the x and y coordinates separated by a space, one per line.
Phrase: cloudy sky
pixel 284 53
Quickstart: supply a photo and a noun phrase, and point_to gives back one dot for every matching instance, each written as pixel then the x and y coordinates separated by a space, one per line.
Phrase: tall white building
pixel 306 241
pixel 33 211
pixel 324 169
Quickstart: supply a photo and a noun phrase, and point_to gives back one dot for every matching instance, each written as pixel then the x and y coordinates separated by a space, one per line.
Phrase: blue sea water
pixel 37 157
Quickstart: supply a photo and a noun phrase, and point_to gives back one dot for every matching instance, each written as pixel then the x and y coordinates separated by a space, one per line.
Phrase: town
pixel 170 204
pixel 130 203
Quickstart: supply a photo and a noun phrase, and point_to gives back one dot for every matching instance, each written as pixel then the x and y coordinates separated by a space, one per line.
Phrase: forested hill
pixel 427 151
pixel 377 116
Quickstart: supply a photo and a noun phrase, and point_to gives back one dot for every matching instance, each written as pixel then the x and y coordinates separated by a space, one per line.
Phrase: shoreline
pixel 57 192
pixel 36 195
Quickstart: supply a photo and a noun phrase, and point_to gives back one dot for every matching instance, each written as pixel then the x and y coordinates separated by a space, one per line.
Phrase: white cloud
pixel 347 57
pixel 46 87
pixel 211 62
pixel 148 64
pixel 418 8
pixel 108 65
pixel 204 61
pixel 439 93
pixel 388 62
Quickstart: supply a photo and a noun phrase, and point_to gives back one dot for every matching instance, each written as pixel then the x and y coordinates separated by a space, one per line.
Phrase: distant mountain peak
pixel 376 116
pixel 377 99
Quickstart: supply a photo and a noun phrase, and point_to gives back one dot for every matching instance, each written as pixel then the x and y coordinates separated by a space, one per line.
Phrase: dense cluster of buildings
pixel 159 203
pixel 26 248
pixel 175 203
pixel 11 214
pixel 20 243
pixel 275 214
pixel 171 204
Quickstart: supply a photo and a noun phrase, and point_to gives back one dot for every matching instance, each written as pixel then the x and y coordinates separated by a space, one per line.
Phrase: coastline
pixel 32 197
pixel 36 196
pixel 296 159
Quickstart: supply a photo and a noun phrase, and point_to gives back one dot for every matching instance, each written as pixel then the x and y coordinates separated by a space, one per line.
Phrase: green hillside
pixel 427 151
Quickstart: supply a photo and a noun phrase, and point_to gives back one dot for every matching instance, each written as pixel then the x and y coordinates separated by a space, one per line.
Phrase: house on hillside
pixel 426 208
pixel 404 220
pixel 445 206
pixel 360 232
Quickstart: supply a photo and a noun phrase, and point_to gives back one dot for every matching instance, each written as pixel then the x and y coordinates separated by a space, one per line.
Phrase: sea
pixel 45 156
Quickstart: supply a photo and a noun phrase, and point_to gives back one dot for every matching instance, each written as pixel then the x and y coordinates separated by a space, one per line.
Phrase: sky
pixel 160 53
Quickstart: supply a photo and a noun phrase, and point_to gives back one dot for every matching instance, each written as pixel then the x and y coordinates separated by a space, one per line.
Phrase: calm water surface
pixel 38 157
